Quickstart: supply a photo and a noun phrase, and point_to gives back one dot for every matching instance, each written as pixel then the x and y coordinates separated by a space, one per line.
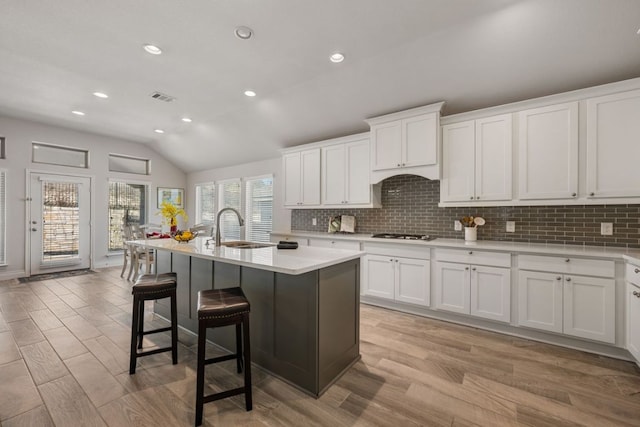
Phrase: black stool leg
pixel 174 328
pixel 141 322
pixel 134 333
pixel 239 347
pixel 247 362
pixel 202 336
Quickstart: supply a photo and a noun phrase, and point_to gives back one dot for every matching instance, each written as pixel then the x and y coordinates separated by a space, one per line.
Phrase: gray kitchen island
pixel 304 304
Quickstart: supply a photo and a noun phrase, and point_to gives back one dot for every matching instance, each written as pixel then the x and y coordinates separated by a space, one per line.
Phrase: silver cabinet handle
pixel 568 279
pixel 636 294
pixel 558 278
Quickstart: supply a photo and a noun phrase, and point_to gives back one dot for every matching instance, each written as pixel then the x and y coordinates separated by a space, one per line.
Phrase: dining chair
pixel 140 256
pixel 127 251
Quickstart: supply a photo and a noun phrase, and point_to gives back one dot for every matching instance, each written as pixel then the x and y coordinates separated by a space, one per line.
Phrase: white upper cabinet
pixel 406 142
pixel 477 160
pixel 345 174
pixel 548 152
pixel 302 178
pixel 613 145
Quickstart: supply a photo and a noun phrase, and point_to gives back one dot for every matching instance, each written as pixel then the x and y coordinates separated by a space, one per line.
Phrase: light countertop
pixel 288 261
pixel 490 245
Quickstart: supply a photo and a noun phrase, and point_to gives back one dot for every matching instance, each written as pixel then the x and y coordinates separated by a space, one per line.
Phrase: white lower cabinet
pixel 481 291
pixel 581 306
pixel 396 278
pixel 633 320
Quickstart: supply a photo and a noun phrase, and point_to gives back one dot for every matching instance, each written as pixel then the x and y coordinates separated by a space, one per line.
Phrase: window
pixel 127 164
pixel 3 217
pixel 127 205
pixel 58 155
pixel 229 197
pixel 259 208
pixel 205 203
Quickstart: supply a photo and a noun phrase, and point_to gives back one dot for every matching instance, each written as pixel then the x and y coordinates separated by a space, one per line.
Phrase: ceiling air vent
pixel 162 97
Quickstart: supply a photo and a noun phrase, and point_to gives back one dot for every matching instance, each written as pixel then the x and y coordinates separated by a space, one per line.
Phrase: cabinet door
pixel 589 308
pixel 452 287
pixel 491 293
pixel 379 276
pixel 458 153
pixel 613 145
pixel 350 245
pixel 412 281
pixel 493 158
pixel 386 146
pixel 420 140
pixel 633 321
pixel 292 168
pixel 333 175
pixel 358 182
pixel 540 300
pixel 548 152
pixel 310 160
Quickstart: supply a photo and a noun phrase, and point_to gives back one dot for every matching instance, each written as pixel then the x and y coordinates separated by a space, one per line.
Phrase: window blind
pixel 259 209
pixel 230 197
pixel 205 203
pixel 127 206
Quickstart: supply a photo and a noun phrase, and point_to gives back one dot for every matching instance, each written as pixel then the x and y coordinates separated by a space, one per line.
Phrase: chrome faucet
pixel 240 221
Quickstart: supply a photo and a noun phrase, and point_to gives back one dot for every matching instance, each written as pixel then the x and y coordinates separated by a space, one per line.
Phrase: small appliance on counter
pixel 342 224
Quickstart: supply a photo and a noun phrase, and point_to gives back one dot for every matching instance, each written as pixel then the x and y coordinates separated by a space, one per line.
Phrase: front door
pixel 59 223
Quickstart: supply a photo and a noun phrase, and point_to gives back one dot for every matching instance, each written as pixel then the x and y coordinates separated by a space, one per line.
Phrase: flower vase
pixel 174 226
pixel 470 234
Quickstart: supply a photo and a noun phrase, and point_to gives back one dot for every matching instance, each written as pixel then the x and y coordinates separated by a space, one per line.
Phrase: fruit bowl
pixel 184 236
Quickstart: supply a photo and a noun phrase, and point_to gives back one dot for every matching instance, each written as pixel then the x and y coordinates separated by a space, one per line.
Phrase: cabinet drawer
pixel 336 244
pixel 633 274
pixel 495 259
pixel 569 265
pixel 397 250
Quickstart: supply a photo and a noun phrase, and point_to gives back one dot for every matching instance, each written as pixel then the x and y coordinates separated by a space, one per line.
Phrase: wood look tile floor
pixel 64 347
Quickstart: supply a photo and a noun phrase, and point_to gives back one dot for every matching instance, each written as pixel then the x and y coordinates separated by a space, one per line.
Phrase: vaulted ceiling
pixel 399 54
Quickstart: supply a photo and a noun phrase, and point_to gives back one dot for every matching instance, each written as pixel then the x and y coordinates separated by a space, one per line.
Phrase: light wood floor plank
pixel 45 319
pixel 95 380
pixel 68 405
pixel 38 417
pixel 8 348
pixel 43 362
pixel 18 392
pixel 25 332
pixel 64 343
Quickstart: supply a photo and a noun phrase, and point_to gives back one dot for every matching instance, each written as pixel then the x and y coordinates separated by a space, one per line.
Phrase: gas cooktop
pixel 403 236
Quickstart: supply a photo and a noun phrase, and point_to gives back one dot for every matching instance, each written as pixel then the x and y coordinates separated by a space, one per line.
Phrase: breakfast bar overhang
pixel 305 303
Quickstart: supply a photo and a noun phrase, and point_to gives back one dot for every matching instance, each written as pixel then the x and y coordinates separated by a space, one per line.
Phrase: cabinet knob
pixel 477 197
pixel 567 260
pixel 470 252
pixel 637 270
pixel 568 279
pixel 391 260
pixel 592 194
pixel 466 268
pixel 558 278
pixel 573 194
pixel 636 294
pixel 396 260
pixel 471 198
pixel 403 165
pixel 473 269
pixel 398 164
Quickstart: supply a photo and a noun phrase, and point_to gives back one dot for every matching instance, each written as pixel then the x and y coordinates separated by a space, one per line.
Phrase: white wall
pixel 281 216
pixel 20 134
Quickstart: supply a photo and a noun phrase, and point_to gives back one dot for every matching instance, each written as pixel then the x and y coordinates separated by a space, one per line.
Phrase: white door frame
pixel 27 214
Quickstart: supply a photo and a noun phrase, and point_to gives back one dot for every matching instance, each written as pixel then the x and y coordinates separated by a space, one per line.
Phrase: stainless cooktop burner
pixel 403 236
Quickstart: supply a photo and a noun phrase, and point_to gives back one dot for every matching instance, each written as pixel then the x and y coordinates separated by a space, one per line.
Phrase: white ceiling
pixel 400 54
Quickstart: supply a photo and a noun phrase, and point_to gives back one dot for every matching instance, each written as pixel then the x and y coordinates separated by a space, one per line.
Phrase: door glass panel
pixel 61 221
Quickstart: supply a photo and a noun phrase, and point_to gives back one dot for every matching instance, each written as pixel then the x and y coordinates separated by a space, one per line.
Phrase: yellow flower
pixel 169 212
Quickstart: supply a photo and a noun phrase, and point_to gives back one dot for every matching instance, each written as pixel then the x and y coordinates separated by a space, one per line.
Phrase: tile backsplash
pixel 410 205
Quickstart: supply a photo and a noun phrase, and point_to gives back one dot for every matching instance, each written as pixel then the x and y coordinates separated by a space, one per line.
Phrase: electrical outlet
pixel 457 225
pixel 314 221
pixel 606 228
pixel 511 226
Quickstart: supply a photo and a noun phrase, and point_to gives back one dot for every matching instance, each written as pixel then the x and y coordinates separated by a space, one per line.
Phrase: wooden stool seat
pixel 152 287
pixel 223 307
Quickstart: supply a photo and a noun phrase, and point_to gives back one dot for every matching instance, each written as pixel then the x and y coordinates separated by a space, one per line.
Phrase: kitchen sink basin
pixel 242 244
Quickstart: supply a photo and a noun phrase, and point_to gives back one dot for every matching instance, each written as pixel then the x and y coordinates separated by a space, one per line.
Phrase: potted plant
pixel 169 213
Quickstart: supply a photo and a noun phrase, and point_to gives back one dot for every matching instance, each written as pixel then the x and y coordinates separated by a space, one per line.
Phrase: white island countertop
pixel 288 261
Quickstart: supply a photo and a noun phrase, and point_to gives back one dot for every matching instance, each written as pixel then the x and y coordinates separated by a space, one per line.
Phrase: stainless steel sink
pixel 242 244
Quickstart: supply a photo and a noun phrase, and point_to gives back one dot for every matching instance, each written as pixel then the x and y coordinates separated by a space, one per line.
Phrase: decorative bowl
pixel 184 236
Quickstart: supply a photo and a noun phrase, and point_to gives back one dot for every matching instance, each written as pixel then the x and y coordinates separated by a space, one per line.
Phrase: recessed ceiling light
pixel 78 113
pixel 100 95
pixel 158 131
pixel 186 120
pixel 249 93
pixel 337 57
pixel 243 32
pixel 152 49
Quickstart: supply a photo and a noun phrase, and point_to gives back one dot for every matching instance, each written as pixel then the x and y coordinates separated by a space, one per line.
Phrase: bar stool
pixel 222 307
pixel 152 287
